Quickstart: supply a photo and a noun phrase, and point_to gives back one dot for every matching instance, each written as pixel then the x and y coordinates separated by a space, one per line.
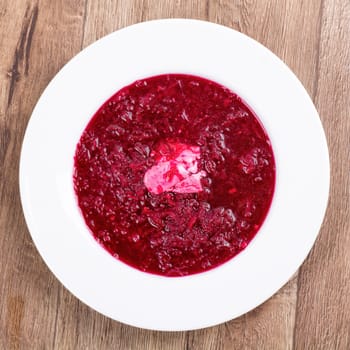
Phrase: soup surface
pixel 174 175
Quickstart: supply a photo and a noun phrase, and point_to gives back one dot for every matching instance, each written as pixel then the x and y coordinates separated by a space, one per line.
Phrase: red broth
pixel 174 175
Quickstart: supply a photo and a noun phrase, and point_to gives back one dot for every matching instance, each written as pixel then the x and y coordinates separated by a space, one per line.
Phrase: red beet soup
pixel 174 175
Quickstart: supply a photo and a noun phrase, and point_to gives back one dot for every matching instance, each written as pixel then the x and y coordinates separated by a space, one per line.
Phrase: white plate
pixel 174 46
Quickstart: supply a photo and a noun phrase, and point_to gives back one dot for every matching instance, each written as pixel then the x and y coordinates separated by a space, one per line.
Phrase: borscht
pixel 174 174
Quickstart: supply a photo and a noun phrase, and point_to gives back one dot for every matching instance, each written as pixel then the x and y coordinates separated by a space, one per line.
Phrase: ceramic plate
pixel 79 89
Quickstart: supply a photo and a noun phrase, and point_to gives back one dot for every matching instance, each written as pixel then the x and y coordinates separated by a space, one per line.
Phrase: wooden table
pixel 37 37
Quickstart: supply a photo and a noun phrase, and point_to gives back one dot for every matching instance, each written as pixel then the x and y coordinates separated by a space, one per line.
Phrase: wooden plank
pixel 36 39
pixel 323 318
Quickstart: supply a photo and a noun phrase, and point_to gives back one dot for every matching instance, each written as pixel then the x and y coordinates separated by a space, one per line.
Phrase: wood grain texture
pixel 38 37
pixel 323 309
